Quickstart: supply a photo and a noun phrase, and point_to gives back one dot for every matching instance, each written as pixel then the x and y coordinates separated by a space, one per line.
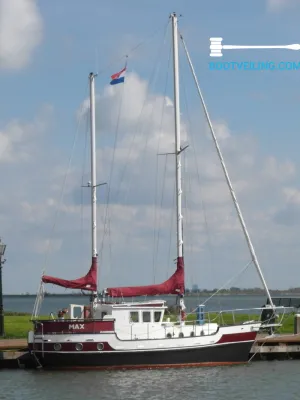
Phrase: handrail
pixel 42 339
pixel 244 309
pixel 34 337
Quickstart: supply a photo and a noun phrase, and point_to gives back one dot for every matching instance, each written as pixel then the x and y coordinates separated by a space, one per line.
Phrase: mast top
pixel 174 15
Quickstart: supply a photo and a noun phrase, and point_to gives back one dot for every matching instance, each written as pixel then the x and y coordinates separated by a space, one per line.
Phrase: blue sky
pixel 47 50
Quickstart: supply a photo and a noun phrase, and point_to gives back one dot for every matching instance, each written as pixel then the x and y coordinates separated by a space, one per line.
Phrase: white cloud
pixel 17 138
pixel 288 213
pixel 278 5
pixel 222 131
pixel 42 246
pixel 292 195
pixel 25 202
pixel 281 171
pixel 20 32
pixel 264 185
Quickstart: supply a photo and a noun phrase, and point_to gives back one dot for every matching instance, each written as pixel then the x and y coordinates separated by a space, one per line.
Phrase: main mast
pixel 180 262
pixel 177 137
pixel 93 183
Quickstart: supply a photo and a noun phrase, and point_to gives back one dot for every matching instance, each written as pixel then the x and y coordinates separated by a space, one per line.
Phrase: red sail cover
pixel 174 285
pixel 87 282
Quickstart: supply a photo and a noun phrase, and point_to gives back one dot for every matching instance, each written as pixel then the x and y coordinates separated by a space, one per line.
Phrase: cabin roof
pixel 152 304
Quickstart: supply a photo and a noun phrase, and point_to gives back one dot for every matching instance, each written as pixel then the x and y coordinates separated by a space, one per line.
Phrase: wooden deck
pixel 278 338
pixel 12 344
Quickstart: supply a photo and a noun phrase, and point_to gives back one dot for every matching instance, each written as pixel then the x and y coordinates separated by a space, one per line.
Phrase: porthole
pixel 181 334
pixel 100 346
pixel 57 346
pixel 78 346
pixel 192 333
pixel 169 336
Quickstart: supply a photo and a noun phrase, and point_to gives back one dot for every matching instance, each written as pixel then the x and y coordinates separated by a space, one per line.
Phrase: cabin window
pixel 134 316
pixel 146 316
pixel 157 315
pixel 77 312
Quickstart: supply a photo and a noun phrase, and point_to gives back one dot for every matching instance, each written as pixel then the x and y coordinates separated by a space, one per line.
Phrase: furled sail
pixel 87 282
pixel 174 285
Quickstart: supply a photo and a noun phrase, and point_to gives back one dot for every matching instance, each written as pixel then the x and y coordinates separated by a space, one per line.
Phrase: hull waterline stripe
pixel 150 366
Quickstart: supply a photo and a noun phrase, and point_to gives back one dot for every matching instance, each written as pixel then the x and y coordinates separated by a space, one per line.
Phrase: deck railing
pixel 264 315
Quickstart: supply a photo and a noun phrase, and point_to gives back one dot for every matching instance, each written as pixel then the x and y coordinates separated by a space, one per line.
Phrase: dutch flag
pixel 118 77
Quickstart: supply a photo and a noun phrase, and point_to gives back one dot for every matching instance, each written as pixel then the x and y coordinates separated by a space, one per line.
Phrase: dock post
pixel 2 251
pixel 297 324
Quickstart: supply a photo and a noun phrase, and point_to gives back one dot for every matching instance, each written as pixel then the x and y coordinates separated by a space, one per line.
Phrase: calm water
pixel 258 380
pixel 52 304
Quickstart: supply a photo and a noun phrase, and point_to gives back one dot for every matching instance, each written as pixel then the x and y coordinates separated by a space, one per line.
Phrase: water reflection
pixel 264 380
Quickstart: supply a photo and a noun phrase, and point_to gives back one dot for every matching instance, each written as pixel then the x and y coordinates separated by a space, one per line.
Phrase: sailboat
pixel 112 334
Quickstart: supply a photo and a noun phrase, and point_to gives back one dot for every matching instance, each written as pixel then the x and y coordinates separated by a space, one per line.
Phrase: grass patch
pixel 17 326
pixel 287 324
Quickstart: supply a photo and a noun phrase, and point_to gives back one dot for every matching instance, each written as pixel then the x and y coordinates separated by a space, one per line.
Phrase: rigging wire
pixel 152 76
pixel 82 177
pixel 161 204
pixel 171 229
pixel 96 59
pixel 151 119
pixel 154 259
pixel 225 284
pixel 229 281
pixel 203 206
pixel 107 218
pixel 111 173
pixel 144 150
pixel 228 181
pixel 116 134
pixel 132 50
pixel 63 188
pixel 133 137
pixel 187 220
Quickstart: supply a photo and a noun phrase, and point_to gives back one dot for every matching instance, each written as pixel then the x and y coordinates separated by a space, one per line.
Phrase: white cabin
pixel 143 320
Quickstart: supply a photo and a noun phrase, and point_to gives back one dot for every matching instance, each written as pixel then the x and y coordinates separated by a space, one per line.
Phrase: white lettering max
pixel 76 326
